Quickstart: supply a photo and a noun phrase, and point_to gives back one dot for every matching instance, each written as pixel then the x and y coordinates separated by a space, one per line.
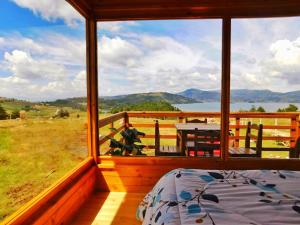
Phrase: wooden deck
pixel 109 208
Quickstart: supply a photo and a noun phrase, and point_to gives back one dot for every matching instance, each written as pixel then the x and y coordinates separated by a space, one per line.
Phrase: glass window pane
pixel 172 65
pixel 42 59
pixel 265 79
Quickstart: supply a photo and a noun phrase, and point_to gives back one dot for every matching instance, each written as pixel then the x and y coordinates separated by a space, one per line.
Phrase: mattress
pixel 192 196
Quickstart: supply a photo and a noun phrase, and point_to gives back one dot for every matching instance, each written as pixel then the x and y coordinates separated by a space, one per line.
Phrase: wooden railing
pixel 238 122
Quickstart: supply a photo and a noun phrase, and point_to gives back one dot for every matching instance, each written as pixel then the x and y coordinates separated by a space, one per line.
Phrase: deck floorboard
pixel 109 208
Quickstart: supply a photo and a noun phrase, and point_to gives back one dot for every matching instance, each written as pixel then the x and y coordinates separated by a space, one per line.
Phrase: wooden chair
pixel 164 150
pixel 196 121
pixel 295 152
pixel 249 151
pixel 205 142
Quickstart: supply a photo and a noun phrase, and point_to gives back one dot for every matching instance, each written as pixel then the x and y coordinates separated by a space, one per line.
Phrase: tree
pixel 27 108
pixel 145 106
pixel 280 110
pixel 3 114
pixel 290 108
pixel 260 109
pixel 253 109
pixel 15 114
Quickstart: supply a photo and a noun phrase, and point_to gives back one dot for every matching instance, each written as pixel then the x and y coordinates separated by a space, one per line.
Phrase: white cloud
pixel 151 63
pixel 115 27
pixel 53 65
pixel 283 66
pixel 53 46
pixel 52 10
pixel 266 54
pixel 117 52
pixel 48 67
pixel 286 52
pixel 23 66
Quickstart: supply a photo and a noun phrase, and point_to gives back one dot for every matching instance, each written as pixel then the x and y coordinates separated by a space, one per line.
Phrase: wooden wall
pixel 59 203
pixel 139 174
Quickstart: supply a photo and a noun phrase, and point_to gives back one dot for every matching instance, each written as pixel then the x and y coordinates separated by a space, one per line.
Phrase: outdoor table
pixel 183 129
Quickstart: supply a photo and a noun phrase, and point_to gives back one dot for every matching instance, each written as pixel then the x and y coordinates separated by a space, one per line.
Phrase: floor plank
pixel 109 208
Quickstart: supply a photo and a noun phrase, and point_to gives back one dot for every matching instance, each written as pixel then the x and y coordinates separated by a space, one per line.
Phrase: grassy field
pixel 37 151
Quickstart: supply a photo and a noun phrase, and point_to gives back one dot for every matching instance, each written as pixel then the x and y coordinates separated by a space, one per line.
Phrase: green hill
pixel 151 97
pixel 108 103
pixel 145 106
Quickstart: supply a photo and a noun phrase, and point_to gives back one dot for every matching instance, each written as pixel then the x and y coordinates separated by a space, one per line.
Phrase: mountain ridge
pixel 243 95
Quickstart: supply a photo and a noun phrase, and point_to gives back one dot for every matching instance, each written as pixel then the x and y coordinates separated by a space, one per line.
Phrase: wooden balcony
pixel 109 191
pixel 281 130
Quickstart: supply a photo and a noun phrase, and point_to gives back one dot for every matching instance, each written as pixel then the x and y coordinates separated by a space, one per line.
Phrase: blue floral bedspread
pixel 190 196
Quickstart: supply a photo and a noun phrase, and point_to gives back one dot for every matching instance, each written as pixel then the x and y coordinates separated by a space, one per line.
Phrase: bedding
pixel 191 196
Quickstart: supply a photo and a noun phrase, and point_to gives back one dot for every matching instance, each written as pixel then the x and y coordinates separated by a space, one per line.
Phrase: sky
pixel 42 53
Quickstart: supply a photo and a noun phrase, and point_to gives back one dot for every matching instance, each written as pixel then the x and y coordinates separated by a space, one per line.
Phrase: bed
pixel 191 196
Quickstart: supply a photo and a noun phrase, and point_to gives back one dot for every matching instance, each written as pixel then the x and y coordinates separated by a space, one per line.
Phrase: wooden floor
pixel 109 208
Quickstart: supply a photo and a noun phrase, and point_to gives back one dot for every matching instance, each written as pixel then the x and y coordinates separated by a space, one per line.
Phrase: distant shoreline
pixel 234 107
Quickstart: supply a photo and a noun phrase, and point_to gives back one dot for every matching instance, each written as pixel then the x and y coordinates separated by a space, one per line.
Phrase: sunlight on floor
pixel 110 208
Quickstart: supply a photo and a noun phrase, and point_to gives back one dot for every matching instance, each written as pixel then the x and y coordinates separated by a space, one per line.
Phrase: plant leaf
pixel 265 200
pixel 210 197
pixel 254 182
pixel 172 204
pixel 270 185
pixel 195 208
pixel 178 175
pixel 282 176
pixel 157 216
pixel 216 175
pixel 115 144
pixel 113 129
pixel 207 178
pixel 296 208
pixel 160 190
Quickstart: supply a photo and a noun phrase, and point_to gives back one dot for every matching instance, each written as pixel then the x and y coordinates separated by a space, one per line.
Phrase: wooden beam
pixel 105 121
pixel 162 114
pixel 83 7
pixel 225 90
pixel 147 163
pixel 92 88
pixel 109 10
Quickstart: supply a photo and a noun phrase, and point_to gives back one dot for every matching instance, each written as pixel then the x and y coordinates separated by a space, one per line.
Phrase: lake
pixel 234 107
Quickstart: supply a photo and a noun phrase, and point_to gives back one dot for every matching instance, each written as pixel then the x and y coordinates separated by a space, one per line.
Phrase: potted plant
pixel 128 145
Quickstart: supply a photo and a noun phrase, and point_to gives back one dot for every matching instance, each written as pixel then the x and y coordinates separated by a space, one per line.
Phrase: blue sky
pixel 42 53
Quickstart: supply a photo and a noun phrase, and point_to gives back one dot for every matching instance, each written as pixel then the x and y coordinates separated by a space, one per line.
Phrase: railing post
pixel 298 126
pixel 111 126
pixel 126 121
pixel 157 138
pixel 293 131
pixel 237 131
pixel 180 119
pixel 293 134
